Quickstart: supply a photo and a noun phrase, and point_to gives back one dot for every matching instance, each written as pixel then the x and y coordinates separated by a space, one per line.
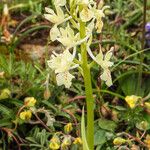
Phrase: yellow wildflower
pixel 68 128
pixel 5 93
pixel 147 105
pixel 132 100
pixel 26 115
pixel 147 141
pixel 54 143
pixel 119 141
pixel 77 141
pixel 29 101
pixel 66 142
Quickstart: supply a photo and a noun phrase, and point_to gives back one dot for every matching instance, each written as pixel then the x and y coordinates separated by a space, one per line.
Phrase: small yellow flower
pixel 26 115
pixel 147 141
pixel 119 141
pixel 54 143
pixel 132 100
pixel 29 101
pixel 5 93
pixel 68 128
pixel 147 105
pixel 66 142
pixel 77 141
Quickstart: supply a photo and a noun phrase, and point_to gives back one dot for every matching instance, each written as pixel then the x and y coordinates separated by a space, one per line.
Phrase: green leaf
pixel 31 139
pixel 120 108
pixel 147 118
pixel 107 125
pixel 6 110
pixel 99 137
pixel 5 122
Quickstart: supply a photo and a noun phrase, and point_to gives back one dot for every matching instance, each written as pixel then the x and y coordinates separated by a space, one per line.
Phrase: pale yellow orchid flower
pixel 67 37
pixel 56 18
pixel 64 78
pixel 62 62
pixel 53 17
pixel 88 12
pixel 104 62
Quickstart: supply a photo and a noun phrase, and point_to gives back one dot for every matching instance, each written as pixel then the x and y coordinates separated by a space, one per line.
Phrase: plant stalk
pixel 142 47
pixel 88 90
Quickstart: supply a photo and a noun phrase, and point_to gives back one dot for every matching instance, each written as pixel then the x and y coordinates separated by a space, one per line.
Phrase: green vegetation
pixel 43 109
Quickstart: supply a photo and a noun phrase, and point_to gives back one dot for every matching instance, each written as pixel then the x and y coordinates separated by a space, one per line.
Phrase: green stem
pixel 88 90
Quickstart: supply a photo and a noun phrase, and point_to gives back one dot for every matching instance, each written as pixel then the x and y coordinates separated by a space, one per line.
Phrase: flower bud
pixel 5 10
pixel 47 94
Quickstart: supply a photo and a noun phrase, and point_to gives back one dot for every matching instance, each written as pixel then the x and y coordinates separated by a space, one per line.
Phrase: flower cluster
pixel 87 12
pixel 64 142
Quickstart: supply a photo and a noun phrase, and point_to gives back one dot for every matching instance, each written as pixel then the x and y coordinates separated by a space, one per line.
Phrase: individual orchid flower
pixel 67 37
pixel 64 78
pixel 56 18
pixel 105 63
pixel 86 14
pixel 54 33
pixel 53 17
pixel 99 14
pixel 62 62
pixel 90 12
pixel 104 60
